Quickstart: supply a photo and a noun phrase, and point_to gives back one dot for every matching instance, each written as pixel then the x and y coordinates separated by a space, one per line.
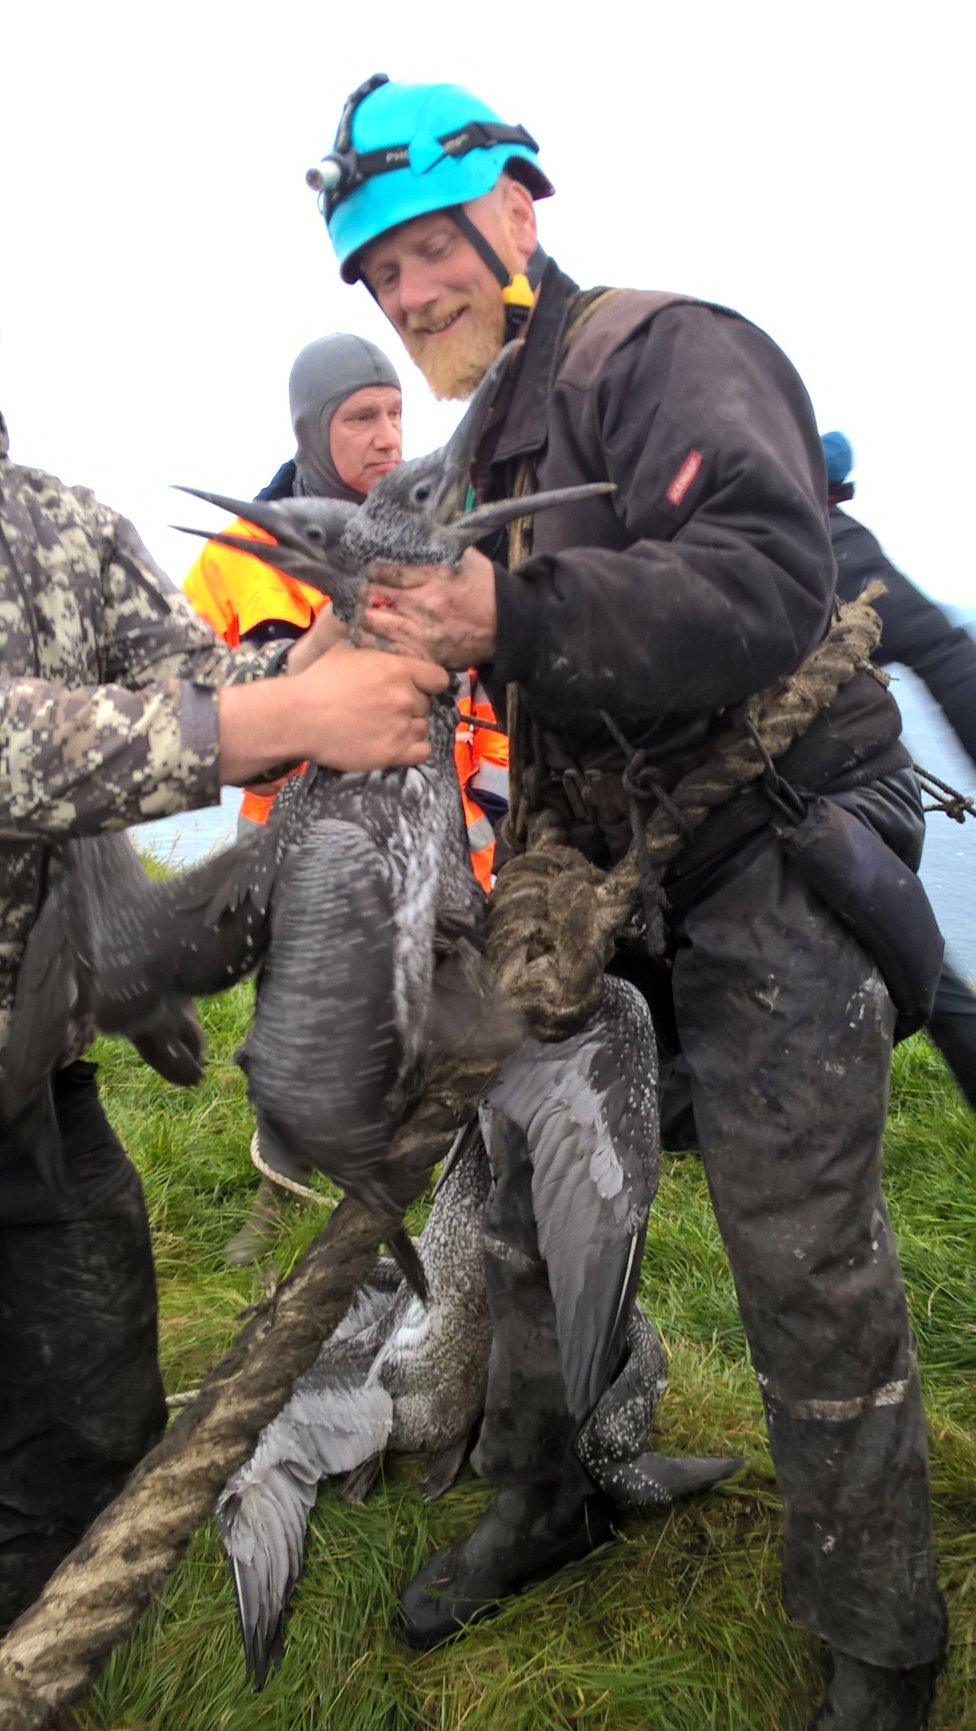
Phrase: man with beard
pixel 706 576
pixel 118 705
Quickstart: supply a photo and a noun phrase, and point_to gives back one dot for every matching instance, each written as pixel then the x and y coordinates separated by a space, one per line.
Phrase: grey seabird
pixel 398 1376
pixel 584 1111
pixel 82 952
pixel 372 867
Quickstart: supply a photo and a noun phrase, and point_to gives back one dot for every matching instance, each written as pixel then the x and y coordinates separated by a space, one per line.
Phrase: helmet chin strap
pixel 518 291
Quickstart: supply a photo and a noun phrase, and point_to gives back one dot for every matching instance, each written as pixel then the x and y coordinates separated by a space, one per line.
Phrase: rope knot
pixel 549 935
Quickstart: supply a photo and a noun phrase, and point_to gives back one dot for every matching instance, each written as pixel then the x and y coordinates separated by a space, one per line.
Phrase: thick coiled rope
pixel 95 1598
pixel 555 916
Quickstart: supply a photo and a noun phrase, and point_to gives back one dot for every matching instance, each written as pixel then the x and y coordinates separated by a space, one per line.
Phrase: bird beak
pixel 459 453
pixel 262 513
pixel 485 519
pixel 269 552
pixel 288 552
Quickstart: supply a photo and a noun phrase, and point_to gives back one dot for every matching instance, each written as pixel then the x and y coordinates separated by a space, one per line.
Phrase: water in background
pixel 182 840
pixel 948 870
pixel 949 862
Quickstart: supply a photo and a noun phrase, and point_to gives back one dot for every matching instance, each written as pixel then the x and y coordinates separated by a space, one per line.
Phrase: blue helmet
pixel 838 456
pixel 405 150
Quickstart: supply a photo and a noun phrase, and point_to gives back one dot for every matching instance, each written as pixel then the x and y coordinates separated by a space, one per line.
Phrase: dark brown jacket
pixel 708 573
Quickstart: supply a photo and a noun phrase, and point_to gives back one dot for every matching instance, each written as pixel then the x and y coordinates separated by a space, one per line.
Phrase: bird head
pixel 414 515
pixel 307 543
pixel 433 490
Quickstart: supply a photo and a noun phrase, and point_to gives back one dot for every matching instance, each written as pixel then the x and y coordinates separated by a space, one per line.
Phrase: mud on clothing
pixel 80 1390
pixel 707 575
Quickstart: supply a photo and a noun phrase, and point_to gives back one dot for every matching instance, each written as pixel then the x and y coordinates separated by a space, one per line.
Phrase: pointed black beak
pixel 485 519
pixel 269 552
pixel 261 512
pixel 265 515
pixel 459 453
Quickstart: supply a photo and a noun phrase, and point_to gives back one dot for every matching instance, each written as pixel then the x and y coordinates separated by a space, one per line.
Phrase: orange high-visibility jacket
pixel 235 594
pixel 481 757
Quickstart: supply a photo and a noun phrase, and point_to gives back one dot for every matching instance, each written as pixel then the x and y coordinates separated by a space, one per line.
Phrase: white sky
pixel 163 260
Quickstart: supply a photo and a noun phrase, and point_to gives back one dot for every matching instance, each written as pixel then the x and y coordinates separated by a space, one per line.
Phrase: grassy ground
pixel 677 1628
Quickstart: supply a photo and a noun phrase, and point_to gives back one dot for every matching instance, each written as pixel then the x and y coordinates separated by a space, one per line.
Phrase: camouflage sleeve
pixel 143 742
pixel 100 757
pixel 151 632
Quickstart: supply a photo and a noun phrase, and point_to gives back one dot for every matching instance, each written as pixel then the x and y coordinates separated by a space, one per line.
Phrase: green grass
pixel 677 1628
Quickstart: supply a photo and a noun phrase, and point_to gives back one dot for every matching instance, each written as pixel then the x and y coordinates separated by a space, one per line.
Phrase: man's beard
pixel 455 364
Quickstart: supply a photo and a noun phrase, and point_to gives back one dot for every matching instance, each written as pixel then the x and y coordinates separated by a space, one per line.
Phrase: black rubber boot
pixel 527 1533
pixel 862 1697
pixel 260 1229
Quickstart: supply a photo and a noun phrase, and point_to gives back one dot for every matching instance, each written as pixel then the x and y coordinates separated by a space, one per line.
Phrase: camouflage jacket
pixel 108 689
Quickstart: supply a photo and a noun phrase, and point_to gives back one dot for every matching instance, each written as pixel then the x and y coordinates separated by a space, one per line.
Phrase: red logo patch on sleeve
pixel 683 479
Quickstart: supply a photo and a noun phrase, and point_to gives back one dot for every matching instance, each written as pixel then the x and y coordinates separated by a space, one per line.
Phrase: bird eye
pixel 421 492
pixel 313 532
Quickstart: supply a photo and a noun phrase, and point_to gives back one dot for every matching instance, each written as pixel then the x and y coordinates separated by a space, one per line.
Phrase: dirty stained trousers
pixel 81 1397
pixel 779 1011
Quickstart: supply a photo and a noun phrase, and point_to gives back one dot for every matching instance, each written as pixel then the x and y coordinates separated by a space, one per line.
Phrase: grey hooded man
pixel 344 397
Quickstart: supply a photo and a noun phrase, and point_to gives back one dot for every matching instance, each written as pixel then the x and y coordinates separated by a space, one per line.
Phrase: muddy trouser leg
pixel 678 1128
pixel 527 1433
pixel 80 1392
pixel 786 1026
pixel 952 1027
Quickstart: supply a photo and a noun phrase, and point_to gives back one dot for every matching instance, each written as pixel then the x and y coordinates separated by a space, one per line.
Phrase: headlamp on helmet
pixel 407 150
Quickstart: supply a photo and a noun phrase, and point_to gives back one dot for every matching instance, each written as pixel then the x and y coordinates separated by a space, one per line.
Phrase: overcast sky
pixel 163 260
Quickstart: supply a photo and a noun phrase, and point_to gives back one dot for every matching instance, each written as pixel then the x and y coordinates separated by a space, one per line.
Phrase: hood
pixel 324 375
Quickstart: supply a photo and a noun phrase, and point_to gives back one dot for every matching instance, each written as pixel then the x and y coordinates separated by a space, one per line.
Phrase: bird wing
pixel 371 1302
pixel 114 949
pixel 332 1423
pixel 587 1109
pixel 51 1002
pixel 171 1042
pixel 326 1428
pixel 189 935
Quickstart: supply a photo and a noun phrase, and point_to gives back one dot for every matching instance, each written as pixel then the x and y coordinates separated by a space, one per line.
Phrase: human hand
pixel 323 634
pixel 352 709
pixel 364 709
pixel 444 613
